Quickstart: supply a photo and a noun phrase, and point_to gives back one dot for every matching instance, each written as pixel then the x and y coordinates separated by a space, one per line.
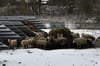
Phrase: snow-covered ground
pixel 62 57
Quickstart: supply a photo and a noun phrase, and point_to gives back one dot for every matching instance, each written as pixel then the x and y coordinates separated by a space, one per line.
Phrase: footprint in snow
pixel 97 54
pixel 3 64
pixel 5 60
pixel 11 53
pixel 73 64
pixel 0 61
pixel 19 62
pixel 29 51
pixel 63 54
pixel 41 54
pixel 82 55
pixel 48 65
pixel 96 62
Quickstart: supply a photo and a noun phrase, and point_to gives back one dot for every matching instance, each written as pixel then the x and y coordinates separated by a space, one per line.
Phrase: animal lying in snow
pixel 12 43
pixel 97 42
pixel 66 34
pixel 61 40
pixel 88 36
pixel 41 42
pixel 31 41
pixel 82 43
pixel 75 35
pixel 25 43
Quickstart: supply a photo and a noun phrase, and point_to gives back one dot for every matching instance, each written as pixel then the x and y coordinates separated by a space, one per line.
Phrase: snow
pixel 61 57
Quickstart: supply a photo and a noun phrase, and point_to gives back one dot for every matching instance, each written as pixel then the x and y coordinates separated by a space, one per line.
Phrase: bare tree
pixel 85 6
pixel 69 4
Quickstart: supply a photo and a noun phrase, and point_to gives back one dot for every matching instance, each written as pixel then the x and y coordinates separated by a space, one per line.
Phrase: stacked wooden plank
pixel 33 19
pixel 6 33
pixel 18 28
pixel 14 23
